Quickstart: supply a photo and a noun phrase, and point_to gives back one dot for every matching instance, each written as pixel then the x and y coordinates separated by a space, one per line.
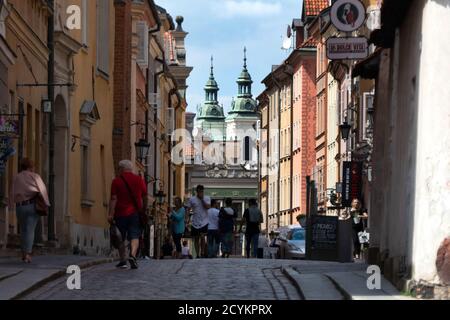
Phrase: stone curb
pixel 342 291
pixel 58 274
pixel 290 274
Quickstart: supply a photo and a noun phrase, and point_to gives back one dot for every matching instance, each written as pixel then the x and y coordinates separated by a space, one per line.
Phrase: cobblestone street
pixel 179 279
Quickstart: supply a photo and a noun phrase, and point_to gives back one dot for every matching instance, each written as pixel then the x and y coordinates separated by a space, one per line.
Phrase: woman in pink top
pixel 27 185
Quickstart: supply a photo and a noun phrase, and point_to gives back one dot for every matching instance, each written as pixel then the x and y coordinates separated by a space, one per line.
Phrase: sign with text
pixel 322 238
pixel 351 182
pixel 351 48
pixel 324 232
pixel 9 127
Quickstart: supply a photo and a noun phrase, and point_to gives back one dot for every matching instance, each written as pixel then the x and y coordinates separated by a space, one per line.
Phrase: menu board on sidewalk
pixel 323 238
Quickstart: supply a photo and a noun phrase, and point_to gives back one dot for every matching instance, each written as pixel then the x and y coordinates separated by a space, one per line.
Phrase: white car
pixel 292 244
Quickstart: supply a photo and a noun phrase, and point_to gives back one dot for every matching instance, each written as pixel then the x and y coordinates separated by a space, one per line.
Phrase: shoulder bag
pixel 143 218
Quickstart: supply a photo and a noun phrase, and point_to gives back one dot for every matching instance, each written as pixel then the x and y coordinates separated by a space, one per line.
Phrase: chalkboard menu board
pixel 322 241
pixel 324 232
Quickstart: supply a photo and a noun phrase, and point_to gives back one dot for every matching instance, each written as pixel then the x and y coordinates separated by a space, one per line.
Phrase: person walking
pixel 199 206
pixel 357 215
pixel 27 192
pixel 253 218
pixel 213 229
pixel 263 243
pixel 177 218
pixel 226 227
pixel 128 200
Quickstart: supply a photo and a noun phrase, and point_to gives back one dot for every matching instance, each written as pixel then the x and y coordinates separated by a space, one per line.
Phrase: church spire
pixel 245 80
pixel 245 58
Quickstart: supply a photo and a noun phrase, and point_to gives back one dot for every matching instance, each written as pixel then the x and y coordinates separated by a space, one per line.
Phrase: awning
pixel 368 68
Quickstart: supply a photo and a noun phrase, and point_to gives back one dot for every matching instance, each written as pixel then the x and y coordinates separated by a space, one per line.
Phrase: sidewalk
pixel 18 278
pixel 339 282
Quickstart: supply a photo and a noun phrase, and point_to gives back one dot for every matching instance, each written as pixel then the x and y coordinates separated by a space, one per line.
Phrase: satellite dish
pixel 289 31
pixel 287 43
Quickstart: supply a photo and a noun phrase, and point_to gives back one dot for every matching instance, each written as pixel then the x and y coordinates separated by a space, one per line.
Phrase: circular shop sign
pixel 348 15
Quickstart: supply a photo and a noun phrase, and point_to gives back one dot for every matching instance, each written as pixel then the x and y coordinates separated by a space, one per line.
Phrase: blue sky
pixel 222 28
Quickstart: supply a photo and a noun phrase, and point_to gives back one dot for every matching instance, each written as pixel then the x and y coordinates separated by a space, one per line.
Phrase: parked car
pixel 292 243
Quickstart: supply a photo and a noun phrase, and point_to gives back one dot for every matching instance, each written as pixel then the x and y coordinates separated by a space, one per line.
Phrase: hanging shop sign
pixel 347 48
pixel 9 127
pixel 351 182
pixel 348 15
pixel 6 150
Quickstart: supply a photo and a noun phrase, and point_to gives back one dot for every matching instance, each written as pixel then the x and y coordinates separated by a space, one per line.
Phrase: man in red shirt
pixel 128 197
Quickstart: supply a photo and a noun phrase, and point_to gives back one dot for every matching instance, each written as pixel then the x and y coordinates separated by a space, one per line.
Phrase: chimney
pixel 299 30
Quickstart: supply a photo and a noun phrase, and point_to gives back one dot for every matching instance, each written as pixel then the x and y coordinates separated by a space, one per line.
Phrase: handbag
pixel 143 218
pixel 41 206
pixel 115 237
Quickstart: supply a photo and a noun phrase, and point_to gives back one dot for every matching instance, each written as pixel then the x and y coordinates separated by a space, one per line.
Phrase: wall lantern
pixel 345 130
pixel 142 149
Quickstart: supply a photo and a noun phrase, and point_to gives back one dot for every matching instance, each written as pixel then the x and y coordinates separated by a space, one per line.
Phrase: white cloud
pixel 247 8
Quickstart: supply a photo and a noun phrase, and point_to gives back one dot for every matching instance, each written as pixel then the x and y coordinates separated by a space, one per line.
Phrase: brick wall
pixel 308 124
pixel 122 81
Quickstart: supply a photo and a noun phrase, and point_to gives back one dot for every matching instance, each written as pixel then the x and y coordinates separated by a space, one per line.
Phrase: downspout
pixel 279 149
pixel 51 124
pixel 147 113
pixel 291 141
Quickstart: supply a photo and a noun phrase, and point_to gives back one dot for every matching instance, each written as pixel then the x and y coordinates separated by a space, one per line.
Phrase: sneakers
pixel 122 265
pixel 133 262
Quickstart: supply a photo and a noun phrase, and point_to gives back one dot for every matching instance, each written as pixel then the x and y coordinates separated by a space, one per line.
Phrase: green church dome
pixel 211 110
pixel 244 105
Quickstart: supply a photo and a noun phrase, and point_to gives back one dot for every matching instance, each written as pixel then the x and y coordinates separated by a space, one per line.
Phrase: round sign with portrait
pixel 348 15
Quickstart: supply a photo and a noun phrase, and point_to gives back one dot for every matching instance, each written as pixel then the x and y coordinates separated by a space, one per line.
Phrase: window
pixel 84 23
pixel 103 168
pixel 247 155
pixel 103 36
pixel 29 141
pixel 37 139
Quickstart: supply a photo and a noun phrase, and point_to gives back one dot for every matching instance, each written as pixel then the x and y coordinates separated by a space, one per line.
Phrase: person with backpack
pixel 226 227
pixel 253 218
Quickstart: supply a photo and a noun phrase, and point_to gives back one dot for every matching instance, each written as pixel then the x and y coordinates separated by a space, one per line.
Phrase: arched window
pixel 247 156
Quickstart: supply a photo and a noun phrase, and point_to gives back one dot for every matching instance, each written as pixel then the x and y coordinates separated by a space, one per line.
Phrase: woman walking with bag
pixel 29 195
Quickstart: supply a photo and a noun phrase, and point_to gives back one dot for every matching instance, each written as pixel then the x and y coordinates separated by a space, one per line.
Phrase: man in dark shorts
pixel 199 205
pixel 253 218
pixel 128 197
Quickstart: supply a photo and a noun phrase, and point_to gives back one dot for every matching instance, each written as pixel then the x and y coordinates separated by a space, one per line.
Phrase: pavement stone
pixel 202 279
pixel 17 278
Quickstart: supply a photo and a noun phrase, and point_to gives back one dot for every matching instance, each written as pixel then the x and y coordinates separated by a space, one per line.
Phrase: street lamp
pixel 142 149
pixel 345 130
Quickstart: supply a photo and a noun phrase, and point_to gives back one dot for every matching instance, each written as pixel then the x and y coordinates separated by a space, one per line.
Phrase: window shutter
pixel 142 31
pixel 170 121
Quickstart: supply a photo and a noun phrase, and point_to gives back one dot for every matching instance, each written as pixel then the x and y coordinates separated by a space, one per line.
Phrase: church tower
pixel 243 115
pixel 210 116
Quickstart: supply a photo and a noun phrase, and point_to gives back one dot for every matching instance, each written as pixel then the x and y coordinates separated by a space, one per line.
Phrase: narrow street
pixel 203 279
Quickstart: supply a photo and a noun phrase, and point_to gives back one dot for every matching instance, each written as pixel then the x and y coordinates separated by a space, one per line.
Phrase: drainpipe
pixel 279 149
pixel 291 75
pixel 51 123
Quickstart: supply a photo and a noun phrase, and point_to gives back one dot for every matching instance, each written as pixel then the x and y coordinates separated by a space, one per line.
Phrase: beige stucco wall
pixel 89 223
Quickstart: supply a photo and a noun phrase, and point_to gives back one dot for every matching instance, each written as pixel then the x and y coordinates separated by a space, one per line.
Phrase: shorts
pixel 129 227
pixel 199 232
